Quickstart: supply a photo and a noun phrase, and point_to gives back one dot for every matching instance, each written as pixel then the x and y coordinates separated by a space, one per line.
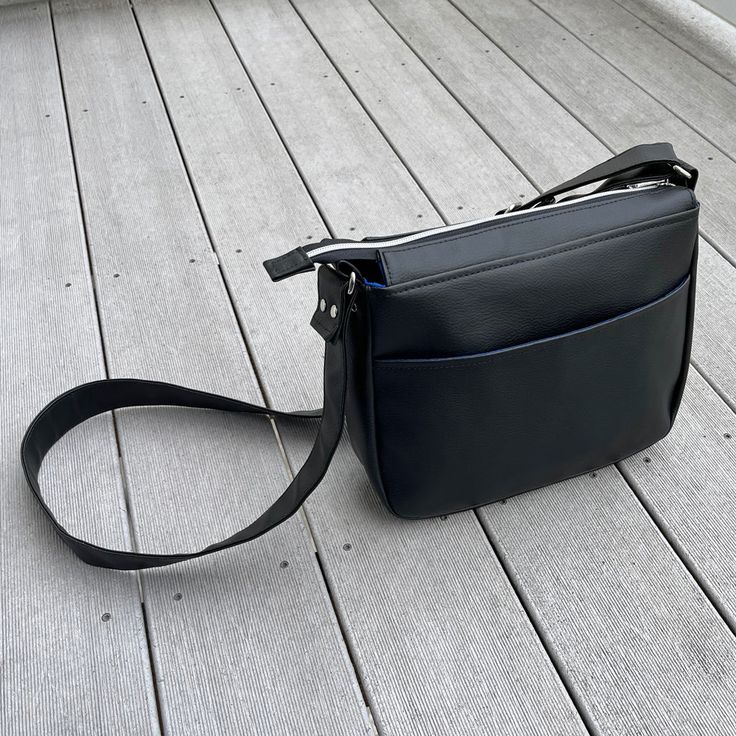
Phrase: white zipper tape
pixel 380 244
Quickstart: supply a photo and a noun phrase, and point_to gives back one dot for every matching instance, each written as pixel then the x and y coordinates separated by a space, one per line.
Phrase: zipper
pixel 649 184
pixel 402 240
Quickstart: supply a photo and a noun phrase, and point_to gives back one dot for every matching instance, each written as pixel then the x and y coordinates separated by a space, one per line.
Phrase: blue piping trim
pixel 458 359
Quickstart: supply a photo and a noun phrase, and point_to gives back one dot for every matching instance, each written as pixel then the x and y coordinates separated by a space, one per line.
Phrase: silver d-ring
pixel 351 283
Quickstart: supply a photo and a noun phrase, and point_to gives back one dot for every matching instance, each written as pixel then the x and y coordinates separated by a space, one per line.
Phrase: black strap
pixel 90 399
pixel 648 159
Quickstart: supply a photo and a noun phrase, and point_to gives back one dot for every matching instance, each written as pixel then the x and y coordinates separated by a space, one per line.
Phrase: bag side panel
pixel 359 404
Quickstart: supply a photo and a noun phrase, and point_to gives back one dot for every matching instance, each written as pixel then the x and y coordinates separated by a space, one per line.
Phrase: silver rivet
pixel 333 311
pixel 322 305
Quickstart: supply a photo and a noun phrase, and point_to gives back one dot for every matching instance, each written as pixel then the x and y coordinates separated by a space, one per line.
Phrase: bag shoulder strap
pixel 648 159
pixel 90 399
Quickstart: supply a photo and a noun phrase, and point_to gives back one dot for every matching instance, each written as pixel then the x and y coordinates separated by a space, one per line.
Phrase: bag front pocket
pixel 454 433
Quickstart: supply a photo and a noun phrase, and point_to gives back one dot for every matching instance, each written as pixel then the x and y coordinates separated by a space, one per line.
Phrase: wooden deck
pixel 150 158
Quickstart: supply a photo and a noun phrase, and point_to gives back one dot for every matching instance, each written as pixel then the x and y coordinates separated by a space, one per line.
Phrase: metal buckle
pixel 351 283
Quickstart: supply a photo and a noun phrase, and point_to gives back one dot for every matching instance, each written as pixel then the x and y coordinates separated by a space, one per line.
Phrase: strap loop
pixel 90 399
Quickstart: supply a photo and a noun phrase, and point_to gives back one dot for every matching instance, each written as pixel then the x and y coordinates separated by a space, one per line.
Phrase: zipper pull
pixel 648 184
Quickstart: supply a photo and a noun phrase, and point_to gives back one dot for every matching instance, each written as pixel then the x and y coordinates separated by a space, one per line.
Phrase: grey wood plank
pixel 647 651
pixel 64 668
pixel 332 130
pixel 704 99
pixel 417 22
pixel 254 202
pixel 470 65
pixel 623 115
pixel 240 641
pixel 694 499
pixel 714 348
pixel 618 111
pixel 693 28
pixel 448 145
pixel 408 646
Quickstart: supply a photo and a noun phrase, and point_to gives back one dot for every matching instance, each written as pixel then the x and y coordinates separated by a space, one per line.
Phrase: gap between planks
pixel 221 277
pixel 343 77
pixel 655 96
pixel 116 430
pixel 249 347
pixel 712 29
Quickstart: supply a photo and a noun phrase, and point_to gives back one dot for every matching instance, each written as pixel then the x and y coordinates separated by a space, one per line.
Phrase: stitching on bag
pixel 542 216
pixel 471 361
pixel 494 267
pixel 492 226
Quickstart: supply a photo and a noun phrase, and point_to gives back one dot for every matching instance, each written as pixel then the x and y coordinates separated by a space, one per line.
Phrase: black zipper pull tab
pixel 289 264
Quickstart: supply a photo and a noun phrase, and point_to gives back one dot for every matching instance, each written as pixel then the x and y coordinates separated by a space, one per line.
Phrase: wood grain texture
pixel 64 668
pixel 607 102
pixel 330 128
pixel 254 202
pixel 646 651
pixel 411 651
pixel 435 137
pixel 702 98
pixel 694 500
pixel 239 641
pixel 495 90
pixel 689 25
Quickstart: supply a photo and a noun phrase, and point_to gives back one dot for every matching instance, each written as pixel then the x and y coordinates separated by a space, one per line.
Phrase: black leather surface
pixel 541 293
pixel 530 232
pixel 457 433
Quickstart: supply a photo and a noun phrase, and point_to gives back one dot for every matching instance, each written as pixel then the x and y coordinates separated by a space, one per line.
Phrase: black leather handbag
pixel 474 361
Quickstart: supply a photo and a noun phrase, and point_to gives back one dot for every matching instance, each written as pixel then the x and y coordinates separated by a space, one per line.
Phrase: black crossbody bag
pixel 475 361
